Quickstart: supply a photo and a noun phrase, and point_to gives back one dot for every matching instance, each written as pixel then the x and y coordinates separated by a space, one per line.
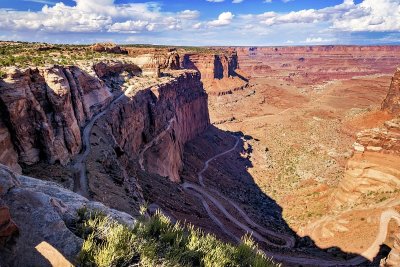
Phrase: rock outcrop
pixel 108 48
pixel 153 60
pixel 393 258
pixel 374 167
pixel 218 71
pixel 156 122
pixel 212 66
pixel 392 100
pixel 42 110
pixel 45 214
pixel 115 73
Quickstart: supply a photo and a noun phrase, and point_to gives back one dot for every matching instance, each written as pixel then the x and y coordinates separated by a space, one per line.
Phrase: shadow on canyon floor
pixel 227 178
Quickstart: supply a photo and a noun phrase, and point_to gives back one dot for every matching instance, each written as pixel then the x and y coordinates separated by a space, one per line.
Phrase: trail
pixel 289 241
pixel 150 144
pixel 80 176
pixel 202 193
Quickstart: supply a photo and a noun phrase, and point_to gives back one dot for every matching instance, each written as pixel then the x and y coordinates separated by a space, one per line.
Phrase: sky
pixel 202 22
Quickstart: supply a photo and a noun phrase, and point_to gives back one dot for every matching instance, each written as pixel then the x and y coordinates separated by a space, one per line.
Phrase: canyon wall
pixel 314 64
pixel 374 166
pixel 42 110
pixel 156 122
pixel 219 71
pixel 212 66
pixel 391 103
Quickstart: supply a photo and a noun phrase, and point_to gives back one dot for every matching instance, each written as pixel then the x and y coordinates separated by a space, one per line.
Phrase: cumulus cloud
pixel 370 15
pixel 147 20
pixel 318 40
pixel 96 16
pixel 225 18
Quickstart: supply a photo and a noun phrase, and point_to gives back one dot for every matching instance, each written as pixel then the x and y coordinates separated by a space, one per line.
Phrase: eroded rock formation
pixel 46 214
pixel 219 71
pixel 155 123
pixel 392 101
pixel 374 166
pixel 42 110
pixel 314 64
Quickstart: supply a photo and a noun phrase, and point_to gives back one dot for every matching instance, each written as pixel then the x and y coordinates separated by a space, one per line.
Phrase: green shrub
pixel 155 241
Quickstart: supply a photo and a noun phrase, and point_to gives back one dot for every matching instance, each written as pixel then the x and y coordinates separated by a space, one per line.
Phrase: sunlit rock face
pixel 155 124
pixel 42 110
pixel 374 166
pixel 392 101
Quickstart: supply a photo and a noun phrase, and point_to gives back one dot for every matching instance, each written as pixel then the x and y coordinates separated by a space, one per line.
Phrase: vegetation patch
pixel 155 241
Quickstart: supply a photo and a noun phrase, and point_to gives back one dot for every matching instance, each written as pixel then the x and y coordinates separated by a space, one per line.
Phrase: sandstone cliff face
pixel 212 66
pixel 156 122
pixel 153 60
pixel 374 166
pixel 42 111
pixel 45 214
pixel 219 72
pixel 392 101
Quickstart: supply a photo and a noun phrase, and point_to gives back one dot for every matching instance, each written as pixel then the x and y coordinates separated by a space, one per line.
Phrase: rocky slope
pixel 46 215
pixel 374 167
pixel 392 101
pixel 42 110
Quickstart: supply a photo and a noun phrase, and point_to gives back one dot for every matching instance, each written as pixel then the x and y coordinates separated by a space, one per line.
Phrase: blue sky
pixel 202 22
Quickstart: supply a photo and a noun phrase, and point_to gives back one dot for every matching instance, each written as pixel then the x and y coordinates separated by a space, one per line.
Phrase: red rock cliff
pixel 156 122
pixel 392 101
pixel 42 111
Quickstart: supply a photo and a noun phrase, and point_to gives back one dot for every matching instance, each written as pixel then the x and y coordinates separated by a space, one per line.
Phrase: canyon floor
pixel 299 140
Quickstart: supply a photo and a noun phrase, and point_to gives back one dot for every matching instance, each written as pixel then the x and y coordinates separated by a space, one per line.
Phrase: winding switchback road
pixel 80 176
pixel 289 241
pixel 152 142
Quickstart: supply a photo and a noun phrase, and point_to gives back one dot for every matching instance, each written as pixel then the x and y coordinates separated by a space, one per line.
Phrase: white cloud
pixel 96 16
pixel 189 14
pixel 106 20
pixel 370 15
pixel 41 2
pixel 225 18
pixel 318 40
pixel 237 1
pixel 215 1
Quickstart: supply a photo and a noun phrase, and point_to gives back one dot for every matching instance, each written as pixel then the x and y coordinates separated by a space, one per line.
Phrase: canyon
pixel 298 146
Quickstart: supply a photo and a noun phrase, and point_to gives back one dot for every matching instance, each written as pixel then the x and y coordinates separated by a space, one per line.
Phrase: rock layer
pixel 44 211
pixel 392 101
pixel 156 122
pixel 43 109
pixel 309 65
pixel 374 166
